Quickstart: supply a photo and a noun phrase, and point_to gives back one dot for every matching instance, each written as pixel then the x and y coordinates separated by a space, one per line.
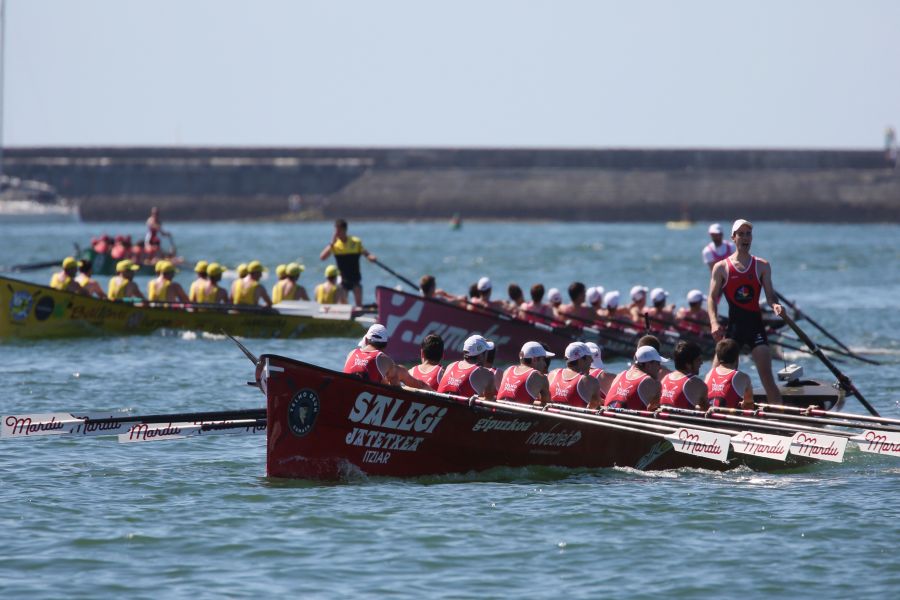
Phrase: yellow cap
pixel 242 270
pixel 255 267
pixel 167 267
pixel 293 269
pixel 126 265
pixel 280 271
pixel 69 262
pixel 157 267
pixel 331 271
pixel 214 269
pixel 201 267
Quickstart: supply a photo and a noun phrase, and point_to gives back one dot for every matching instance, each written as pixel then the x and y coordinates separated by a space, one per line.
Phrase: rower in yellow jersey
pixel 163 288
pixel 328 292
pixel 122 285
pixel 251 292
pixel 65 279
pixel 200 269
pixel 287 288
pixel 213 293
pixel 236 284
pixel 88 283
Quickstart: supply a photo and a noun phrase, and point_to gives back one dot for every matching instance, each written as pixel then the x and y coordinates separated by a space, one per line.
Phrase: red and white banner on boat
pixel 879 442
pixel 819 446
pixel 700 443
pixel 764 445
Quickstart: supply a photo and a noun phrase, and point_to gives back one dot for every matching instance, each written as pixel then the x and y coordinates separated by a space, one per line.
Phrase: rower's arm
pixel 326 252
pixel 650 389
pixel 180 296
pixel 765 277
pixel 712 302
pixel 747 394
pixel 402 377
pixel 264 295
pixel 698 391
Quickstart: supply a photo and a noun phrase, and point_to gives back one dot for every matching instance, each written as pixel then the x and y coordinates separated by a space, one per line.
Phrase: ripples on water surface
pixel 92 518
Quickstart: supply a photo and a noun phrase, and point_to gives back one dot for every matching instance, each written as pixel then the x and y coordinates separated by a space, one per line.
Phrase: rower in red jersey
pixel 598 370
pixel 593 297
pixel 516 299
pixel 572 384
pixel 638 303
pixel 536 311
pixel 485 287
pixel 554 297
pixel 619 317
pixel 725 385
pixel 637 387
pixel 429 289
pixel 693 319
pixel 682 388
pixel 577 310
pixel 429 371
pixel 717 249
pixel 662 316
pixel 524 382
pixel 369 361
pixel 469 377
pixel 741 277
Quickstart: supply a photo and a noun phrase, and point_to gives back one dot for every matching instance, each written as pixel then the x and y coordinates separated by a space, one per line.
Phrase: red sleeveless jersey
pixel 513 387
pixel 430 379
pixel 623 392
pixel 720 389
pixel 364 364
pixel 742 287
pixel 673 391
pixel 458 380
pixel 566 392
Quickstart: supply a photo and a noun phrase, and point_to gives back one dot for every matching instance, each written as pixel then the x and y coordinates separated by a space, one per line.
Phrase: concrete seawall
pixel 603 185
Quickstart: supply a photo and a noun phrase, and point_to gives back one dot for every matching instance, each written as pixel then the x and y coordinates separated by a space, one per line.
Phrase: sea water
pixel 90 518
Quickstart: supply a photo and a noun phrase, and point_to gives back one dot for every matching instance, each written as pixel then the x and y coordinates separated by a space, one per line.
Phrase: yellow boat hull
pixel 31 311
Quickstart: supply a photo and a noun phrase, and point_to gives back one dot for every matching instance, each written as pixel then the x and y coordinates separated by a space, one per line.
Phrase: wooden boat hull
pixel 31 311
pixel 322 424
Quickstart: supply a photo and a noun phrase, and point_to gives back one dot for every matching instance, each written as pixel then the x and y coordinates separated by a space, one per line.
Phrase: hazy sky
pixel 756 73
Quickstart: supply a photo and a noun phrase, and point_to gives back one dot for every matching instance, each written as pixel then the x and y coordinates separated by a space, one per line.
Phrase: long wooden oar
pixel 396 274
pixel 812 322
pixel 780 341
pixel 829 414
pixel 843 380
pixel 35 266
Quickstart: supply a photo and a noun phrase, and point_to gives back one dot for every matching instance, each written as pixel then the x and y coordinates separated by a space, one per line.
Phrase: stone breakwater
pixel 529 184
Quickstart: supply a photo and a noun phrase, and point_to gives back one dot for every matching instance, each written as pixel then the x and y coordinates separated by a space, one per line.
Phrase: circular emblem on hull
pixel 302 412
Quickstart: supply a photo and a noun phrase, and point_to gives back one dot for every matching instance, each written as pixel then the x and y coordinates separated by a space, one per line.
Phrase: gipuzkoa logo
pixel 20 305
pixel 302 412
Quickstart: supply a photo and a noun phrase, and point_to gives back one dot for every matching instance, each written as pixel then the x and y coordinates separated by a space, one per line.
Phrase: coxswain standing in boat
pixel 682 388
pixel 251 291
pixel 288 288
pixel 163 288
pixel 469 377
pixel 212 292
pixel 717 249
pixel 577 310
pixel 429 370
pixel 200 282
pixel 598 369
pixel 122 285
pixel 88 283
pixel 329 292
pixel 741 277
pixel 693 319
pixel 725 384
pixel 637 387
pixel 369 361
pixel 152 242
pixel 347 250
pixel 525 382
pixel 573 385
pixel 65 280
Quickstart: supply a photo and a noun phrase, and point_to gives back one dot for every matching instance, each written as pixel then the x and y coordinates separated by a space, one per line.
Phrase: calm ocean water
pixel 197 518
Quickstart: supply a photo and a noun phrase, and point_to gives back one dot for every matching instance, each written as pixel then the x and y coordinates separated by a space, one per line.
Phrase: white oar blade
pixel 764 445
pixel 303 308
pixel 144 432
pixel 879 442
pixel 700 443
pixel 22 426
pixel 819 446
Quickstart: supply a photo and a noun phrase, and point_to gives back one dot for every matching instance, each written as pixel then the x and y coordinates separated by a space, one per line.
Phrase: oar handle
pixel 396 274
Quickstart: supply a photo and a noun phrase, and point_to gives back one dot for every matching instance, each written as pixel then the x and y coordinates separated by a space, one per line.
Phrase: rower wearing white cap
pixel 572 384
pixel 637 387
pixel 598 370
pixel 554 297
pixel 717 249
pixel 594 299
pixel 524 382
pixel 741 277
pixel 369 361
pixel 638 303
pixel 618 316
pixel 693 318
pixel 662 317
pixel 484 288
pixel 469 377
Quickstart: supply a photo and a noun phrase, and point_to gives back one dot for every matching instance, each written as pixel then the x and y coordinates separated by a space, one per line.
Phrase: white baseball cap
pixel 554 295
pixel 658 295
pixel 694 296
pixel 534 350
pixel 611 299
pixel 600 290
pixel 593 295
pixel 715 228
pixel 596 352
pixel 577 350
pixel 739 223
pixel 476 344
pixel 638 291
pixel 377 333
pixel 484 284
pixel 647 354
